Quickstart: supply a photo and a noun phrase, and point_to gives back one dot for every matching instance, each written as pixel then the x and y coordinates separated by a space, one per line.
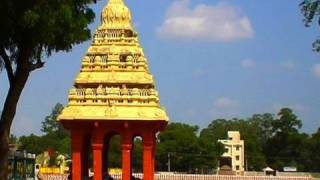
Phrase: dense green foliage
pixel 137 157
pixel 314 146
pixel 311 12
pixel 249 132
pixel 286 145
pixel 31 29
pixel 114 152
pixel 43 26
pixel 270 140
pixel 186 150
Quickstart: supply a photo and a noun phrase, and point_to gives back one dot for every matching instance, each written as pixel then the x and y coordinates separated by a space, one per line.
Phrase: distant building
pixel 232 161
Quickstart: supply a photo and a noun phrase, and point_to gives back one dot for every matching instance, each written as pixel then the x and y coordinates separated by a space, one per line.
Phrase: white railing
pixel 189 177
pixel 53 176
pixel 213 177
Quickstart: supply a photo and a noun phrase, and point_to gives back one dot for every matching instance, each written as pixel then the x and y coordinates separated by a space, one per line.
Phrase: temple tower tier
pixel 114 93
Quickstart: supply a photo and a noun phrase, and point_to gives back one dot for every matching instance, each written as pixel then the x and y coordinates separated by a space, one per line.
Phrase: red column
pixel 85 156
pixel 77 148
pixel 126 147
pixel 97 152
pixel 148 156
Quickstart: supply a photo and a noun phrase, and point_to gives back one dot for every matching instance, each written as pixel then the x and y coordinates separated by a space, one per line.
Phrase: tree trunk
pixel 4 152
pixel 9 110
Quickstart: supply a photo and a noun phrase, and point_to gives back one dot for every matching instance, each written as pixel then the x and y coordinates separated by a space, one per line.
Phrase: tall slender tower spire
pixel 114 82
pixel 114 93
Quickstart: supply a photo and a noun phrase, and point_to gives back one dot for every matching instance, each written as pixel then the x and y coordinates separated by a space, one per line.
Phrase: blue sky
pixel 210 58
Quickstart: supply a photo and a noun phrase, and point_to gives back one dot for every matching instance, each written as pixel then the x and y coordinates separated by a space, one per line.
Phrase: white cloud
pixel 316 70
pixel 290 65
pixel 198 72
pixel 220 22
pixel 225 103
pixel 248 63
pixel 225 107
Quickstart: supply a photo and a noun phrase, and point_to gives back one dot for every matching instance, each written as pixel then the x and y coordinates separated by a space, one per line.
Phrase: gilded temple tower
pixel 114 93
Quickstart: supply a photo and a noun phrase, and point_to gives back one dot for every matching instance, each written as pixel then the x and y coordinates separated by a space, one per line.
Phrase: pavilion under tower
pixel 114 94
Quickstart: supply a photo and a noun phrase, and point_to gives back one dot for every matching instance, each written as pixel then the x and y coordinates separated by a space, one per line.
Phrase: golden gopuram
pixel 114 94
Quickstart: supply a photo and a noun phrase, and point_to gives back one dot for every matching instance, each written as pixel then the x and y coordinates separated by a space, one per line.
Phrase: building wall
pixel 235 150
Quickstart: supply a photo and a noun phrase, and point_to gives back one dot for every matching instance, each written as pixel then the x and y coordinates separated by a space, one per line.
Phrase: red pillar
pixel 126 147
pixel 97 151
pixel 85 156
pixel 77 154
pixel 148 156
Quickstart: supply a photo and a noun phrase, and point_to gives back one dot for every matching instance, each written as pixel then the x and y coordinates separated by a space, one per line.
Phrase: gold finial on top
pixel 115 1
pixel 116 15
